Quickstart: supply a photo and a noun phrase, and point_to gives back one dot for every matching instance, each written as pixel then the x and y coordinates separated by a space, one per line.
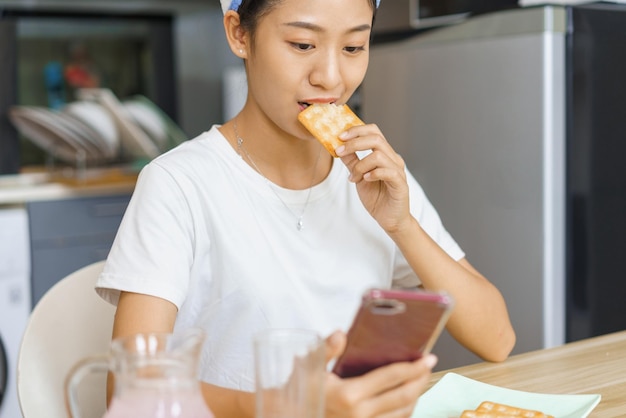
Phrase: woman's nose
pixel 326 72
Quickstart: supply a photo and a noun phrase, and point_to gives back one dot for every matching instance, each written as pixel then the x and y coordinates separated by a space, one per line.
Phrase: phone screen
pixel 392 326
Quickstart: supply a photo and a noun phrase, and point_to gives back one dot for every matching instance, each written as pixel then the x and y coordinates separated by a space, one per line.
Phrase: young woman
pixel 253 225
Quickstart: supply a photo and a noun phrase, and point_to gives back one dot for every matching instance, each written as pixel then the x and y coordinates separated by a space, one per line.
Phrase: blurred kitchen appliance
pixel 15 302
pixel 514 124
pixel 405 15
pixel 234 90
pixel 48 55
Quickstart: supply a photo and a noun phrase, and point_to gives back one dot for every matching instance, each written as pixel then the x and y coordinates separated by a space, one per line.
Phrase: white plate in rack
pixel 97 123
pixel 175 135
pixel 134 141
pixel 36 126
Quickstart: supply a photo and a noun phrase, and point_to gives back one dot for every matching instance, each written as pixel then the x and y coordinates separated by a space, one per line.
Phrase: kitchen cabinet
pixel 68 234
pixel 50 226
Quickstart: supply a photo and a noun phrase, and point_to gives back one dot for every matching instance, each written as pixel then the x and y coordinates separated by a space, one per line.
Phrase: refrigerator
pixel 514 123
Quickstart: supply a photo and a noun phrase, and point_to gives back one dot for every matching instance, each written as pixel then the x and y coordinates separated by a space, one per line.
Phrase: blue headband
pixel 230 5
pixel 234 5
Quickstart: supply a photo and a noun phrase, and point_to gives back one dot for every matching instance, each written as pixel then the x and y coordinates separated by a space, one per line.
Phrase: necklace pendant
pixel 242 151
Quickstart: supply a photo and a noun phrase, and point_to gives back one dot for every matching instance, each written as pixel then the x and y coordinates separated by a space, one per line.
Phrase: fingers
pixel 383 163
pixel 335 344
pixel 399 401
pixel 405 412
pixel 395 375
pixel 387 392
pixel 377 167
pixel 363 138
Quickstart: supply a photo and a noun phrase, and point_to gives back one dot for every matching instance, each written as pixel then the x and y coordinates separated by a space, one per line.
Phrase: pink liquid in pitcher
pixel 140 404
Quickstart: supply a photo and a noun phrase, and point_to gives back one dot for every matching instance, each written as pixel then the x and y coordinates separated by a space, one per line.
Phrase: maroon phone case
pixel 392 326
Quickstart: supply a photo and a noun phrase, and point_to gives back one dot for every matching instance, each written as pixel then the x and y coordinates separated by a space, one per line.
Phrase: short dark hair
pixel 250 11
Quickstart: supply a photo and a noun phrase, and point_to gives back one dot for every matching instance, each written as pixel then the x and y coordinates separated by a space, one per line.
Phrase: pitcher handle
pixel 76 374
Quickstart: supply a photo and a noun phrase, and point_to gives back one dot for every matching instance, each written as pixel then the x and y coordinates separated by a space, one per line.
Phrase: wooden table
pixel 595 365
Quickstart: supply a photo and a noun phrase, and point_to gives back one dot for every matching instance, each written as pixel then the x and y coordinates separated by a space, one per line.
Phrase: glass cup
pixel 290 369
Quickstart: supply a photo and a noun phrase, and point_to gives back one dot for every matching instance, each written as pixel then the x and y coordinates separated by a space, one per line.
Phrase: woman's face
pixel 308 51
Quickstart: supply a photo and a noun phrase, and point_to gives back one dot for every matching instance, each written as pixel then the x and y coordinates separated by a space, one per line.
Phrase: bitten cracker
pixel 327 121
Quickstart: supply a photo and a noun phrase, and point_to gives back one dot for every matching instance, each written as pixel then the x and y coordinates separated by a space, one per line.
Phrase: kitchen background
pixel 511 118
pixel 171 52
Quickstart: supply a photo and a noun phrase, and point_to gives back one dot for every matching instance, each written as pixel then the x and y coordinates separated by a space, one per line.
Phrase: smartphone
pixel 392 326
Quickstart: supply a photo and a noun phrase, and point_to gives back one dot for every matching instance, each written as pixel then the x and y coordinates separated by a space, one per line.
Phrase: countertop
pixel 62 184
pixel 592 366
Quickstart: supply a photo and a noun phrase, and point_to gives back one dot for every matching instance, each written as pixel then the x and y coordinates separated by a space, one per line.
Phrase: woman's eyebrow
pixel 316 28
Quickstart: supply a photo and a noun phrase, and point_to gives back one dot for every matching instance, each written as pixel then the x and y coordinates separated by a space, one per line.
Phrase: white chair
pixel 69 323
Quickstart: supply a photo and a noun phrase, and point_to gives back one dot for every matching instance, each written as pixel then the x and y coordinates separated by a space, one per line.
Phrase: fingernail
pixel 430 361
pixel 340 149
pixel 343 135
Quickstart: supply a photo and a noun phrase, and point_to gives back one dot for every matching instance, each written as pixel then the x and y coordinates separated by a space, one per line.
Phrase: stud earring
pixel 241 51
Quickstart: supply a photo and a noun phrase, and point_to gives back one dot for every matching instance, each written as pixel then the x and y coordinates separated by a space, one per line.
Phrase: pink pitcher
pixel 155 376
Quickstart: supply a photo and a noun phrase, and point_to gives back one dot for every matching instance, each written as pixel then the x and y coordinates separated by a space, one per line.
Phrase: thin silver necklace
pixel 241 148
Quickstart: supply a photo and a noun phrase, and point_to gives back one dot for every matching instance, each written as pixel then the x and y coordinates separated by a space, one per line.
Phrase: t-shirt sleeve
pixel 152 251
pixel 429 219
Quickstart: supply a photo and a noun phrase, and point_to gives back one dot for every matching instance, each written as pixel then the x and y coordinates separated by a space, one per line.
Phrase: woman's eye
pixel 354 49
pixel 301 46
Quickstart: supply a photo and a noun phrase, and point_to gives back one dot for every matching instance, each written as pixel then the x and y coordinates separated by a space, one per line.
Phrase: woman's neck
pixel 287 161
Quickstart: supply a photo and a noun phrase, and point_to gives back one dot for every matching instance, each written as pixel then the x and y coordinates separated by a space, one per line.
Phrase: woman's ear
pixel 236 35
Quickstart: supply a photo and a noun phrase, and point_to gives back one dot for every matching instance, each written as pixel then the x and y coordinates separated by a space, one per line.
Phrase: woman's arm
pixel 480 320
pixel 137 313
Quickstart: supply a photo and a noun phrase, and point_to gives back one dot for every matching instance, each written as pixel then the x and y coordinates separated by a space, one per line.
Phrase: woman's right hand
pixel 387 392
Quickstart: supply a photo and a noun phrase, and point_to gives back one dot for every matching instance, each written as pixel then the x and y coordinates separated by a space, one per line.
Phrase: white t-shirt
pixel 207 232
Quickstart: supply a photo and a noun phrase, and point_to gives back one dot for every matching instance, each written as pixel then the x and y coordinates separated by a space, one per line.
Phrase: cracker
pixel 488 409
pixel 327 121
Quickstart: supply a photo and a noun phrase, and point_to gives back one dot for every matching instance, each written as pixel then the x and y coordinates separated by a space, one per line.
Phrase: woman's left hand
pixel 380 177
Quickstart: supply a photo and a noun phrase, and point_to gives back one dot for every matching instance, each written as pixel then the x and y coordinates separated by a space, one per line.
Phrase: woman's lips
pixel 304 105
